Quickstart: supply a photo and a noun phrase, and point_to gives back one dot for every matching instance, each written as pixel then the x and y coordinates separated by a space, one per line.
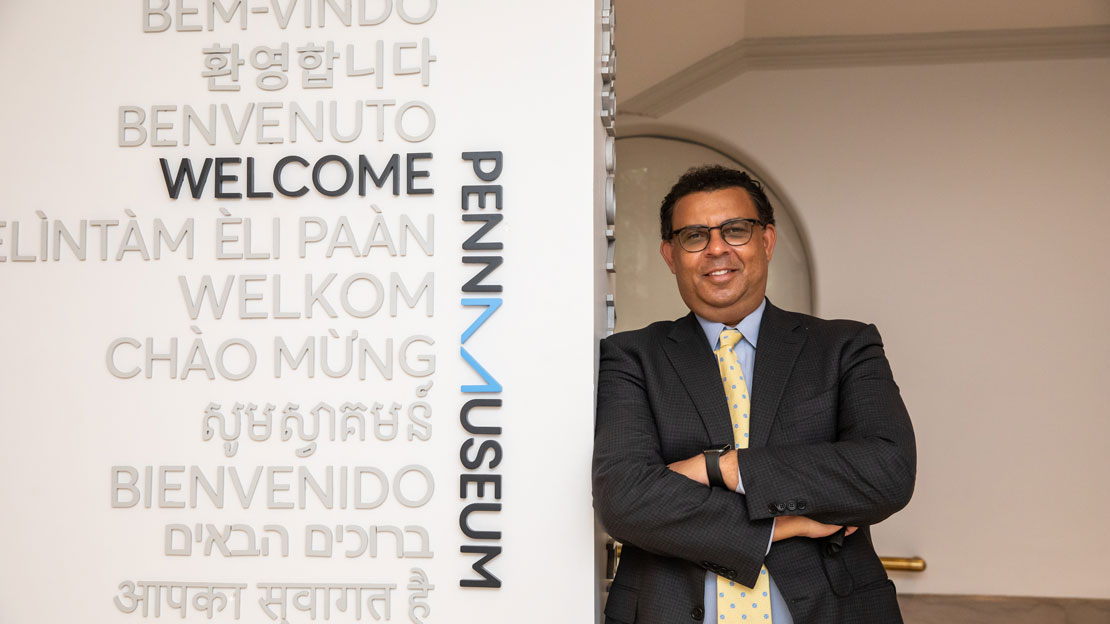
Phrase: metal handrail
pixel 903 564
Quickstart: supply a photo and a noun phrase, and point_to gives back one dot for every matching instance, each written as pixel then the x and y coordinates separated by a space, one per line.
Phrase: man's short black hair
pixel 713 178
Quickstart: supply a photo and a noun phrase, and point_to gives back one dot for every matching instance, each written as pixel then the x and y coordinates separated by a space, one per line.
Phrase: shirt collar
pixel 749 327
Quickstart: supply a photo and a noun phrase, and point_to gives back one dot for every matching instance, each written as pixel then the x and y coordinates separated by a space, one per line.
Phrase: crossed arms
pixel 858 478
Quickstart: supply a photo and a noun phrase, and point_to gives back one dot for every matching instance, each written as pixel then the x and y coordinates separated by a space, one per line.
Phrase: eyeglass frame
pixel 719 227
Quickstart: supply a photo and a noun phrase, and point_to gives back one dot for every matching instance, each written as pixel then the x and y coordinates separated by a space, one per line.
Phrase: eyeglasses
pixel 735 232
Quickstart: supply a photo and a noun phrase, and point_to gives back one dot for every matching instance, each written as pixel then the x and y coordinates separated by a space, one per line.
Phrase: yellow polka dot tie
pixel 736 603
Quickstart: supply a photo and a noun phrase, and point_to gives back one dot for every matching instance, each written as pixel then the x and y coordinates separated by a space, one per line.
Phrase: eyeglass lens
pixel 735 233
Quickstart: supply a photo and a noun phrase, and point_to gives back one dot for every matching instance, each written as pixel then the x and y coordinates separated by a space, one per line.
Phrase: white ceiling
pixel 658 38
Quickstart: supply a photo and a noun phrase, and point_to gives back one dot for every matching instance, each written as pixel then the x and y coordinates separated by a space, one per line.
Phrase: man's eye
pixel 694 236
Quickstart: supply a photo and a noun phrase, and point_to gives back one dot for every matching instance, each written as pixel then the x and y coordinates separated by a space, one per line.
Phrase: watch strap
pixel 713 467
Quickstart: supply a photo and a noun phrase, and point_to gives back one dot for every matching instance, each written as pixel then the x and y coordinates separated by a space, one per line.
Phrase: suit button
pixel 780 507
pixel 731 574
pixel 801 504
pixel 771 507
pixel 791 505
pixel 697 613
pixel 705 564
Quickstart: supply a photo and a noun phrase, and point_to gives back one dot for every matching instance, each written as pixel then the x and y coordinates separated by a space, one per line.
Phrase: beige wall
pixel 962 208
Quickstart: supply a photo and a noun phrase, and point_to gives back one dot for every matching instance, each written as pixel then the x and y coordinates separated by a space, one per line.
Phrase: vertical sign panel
pixel 298 310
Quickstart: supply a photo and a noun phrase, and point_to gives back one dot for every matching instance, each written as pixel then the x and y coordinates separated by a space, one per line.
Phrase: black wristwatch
pixel 713 465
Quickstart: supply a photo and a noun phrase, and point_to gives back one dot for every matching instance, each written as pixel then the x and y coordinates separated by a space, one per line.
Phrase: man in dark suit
pixel 827 444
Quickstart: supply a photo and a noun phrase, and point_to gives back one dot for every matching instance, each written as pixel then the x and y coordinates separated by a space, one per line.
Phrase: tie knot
pixel 729 337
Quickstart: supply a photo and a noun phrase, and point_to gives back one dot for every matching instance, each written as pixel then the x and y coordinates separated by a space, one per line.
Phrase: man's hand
pixel 694 469
pixel 801 526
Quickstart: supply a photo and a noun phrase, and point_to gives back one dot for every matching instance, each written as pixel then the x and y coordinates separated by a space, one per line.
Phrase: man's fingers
pixel 801 526
pixel 692 468
pixel 817 529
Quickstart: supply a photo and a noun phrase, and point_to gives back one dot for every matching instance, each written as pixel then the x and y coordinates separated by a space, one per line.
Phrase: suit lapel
pixel 693 361
pixel 781 337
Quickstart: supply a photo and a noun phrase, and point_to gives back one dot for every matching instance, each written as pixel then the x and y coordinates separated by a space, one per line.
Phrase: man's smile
pixel 720 276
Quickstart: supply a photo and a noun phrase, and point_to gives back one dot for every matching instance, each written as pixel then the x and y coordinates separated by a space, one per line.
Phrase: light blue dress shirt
pixel 745 352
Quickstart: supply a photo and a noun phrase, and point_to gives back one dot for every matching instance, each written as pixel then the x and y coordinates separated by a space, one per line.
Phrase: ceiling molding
pixel 863 51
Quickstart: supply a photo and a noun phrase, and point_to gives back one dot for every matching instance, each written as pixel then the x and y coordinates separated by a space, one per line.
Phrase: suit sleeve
pixel 642 502
pixel 864 476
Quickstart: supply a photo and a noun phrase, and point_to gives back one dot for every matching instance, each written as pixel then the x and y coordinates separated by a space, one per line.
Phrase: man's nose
pixel 717 244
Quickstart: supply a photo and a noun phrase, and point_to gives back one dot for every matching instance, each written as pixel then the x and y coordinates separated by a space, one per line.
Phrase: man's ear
pixel 770 235
pixel 666 249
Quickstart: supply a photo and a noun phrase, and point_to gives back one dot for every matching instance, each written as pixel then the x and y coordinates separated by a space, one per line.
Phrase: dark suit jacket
pixel 830 439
